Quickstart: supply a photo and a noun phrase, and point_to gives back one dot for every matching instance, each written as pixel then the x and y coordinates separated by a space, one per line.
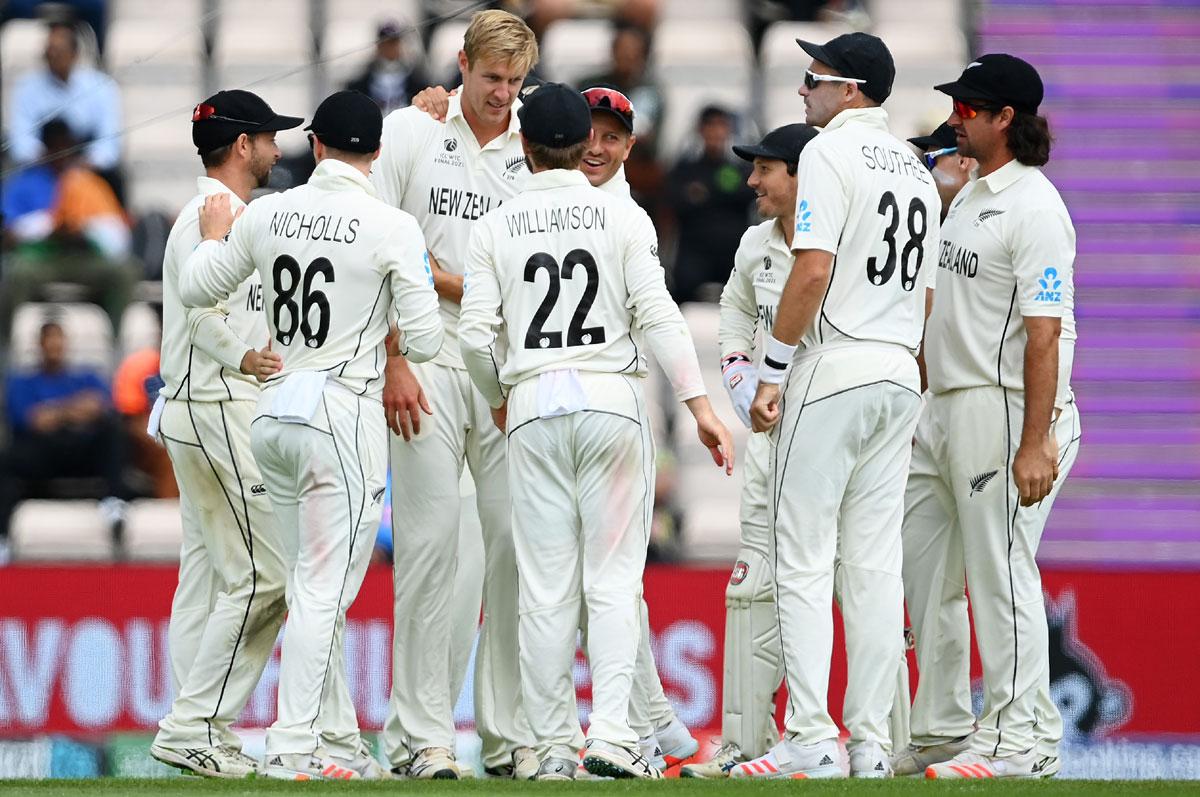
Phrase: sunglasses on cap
pixel 610 99
pixel 931 157
pixel 811 79
pixel 203 113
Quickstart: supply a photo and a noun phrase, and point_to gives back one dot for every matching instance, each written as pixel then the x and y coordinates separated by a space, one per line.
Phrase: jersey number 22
pixel 577 334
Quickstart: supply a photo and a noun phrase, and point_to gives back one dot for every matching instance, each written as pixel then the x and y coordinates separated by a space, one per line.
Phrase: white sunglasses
pixel 811 79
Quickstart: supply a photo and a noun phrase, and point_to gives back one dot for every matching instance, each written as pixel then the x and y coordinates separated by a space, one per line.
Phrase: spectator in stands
pixel 391 79
pixel 710 202
pixel 64 224
pixel 135 386
pixel 61 424
pixel 86 98
pixel 629 75
pixel 760 14
pixel 93 13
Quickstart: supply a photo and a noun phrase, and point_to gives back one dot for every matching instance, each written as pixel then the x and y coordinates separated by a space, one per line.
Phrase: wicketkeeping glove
pixel 740 378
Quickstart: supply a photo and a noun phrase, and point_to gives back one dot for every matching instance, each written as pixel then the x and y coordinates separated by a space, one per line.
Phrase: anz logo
pixel 1051 284
pixel 803 214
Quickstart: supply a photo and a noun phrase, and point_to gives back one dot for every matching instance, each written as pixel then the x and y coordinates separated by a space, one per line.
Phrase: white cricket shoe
pixel 968 765
pixel 790 760
pixel 364 763
pixel 651 750
pixel 303 766
pixel 434 763
pixel 726 758
pixel 524 766
pixel 676 742
pixel 867 760
pixel 616 761
pixel 915 759
pixel 554 768
pixel 211 762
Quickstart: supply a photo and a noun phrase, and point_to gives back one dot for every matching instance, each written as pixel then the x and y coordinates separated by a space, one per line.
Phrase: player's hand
pixel 217 217
pixel 1034 468
pixel 740 378
pixel 712 432
pixel 403 399
pixel 434 101
pixel 500 417
pixel 764 410
pixel 261 364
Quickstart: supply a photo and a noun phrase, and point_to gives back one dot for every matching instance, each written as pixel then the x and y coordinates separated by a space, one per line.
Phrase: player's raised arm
pixel 414 300
pixel 215 269
pixel 480 322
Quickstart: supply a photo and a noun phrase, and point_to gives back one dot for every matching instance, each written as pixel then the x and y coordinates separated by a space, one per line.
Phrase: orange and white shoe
pixel 974 766
pixel 317 766
pixel 790 760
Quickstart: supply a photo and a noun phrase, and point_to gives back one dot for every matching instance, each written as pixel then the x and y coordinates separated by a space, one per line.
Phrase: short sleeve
pixel 822 201
pixel 1043 257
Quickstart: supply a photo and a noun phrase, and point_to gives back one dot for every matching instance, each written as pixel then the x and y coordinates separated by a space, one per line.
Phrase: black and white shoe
pixel 616 761
pixel 210 762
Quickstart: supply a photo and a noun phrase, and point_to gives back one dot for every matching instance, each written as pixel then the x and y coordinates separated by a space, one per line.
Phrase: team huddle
pixel 473 274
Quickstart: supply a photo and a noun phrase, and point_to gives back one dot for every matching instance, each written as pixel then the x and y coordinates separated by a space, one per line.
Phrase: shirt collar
pixel 454 111
pixel 617 185
pixel 207 186
pixel 1005 176
pixel 335 175
pixel 775 238
pixel 555 178
pixel 871 117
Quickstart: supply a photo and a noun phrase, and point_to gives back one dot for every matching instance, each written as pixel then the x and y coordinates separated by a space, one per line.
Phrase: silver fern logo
pixel 984 215
pixel 978 483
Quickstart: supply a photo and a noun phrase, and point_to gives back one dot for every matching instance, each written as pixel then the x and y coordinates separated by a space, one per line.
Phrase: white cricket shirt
pixel 750 298
pixel 336 265
pixel 438 172
pixel 202 348
pixel 560 278
pixel 1007 252
pixel 864 196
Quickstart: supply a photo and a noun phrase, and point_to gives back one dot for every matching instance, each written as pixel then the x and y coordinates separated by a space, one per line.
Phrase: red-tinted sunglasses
pixel 965 110
pixel 610 99
pixel 204 112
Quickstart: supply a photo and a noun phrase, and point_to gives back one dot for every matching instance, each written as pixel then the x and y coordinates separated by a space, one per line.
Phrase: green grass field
pixel 190 786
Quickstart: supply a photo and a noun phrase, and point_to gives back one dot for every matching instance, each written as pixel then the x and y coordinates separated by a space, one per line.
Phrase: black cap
pixel 556 116
pixel 224 116
pixel 348 120
pixel 861 56
pixel 612 102
pixel 783 144
pixel 942 138
pixel 388 30
pixel 531 84
pixel 1000 79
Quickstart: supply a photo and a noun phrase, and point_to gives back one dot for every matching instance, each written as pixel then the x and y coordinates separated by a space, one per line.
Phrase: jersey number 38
pixel 914 250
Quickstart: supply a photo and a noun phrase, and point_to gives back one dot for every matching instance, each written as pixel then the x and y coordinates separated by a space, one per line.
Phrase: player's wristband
pixel 733 359
pixel 776 360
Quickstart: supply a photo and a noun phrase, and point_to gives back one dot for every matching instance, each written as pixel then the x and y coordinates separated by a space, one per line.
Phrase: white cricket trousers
pixel 964 524
pixel 582 493
pixel 326 479
pixel 427 540
pixel 229 604
pixel 838 477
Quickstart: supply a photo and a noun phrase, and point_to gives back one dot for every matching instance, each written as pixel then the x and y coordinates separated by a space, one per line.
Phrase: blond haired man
pixel 448 174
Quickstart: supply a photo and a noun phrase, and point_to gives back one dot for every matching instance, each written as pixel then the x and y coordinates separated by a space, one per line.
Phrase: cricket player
pixel 558 280
pixel 229 604
pixel 950 169
pixel 840 389
pixel 997 437
pixel 447 175
pixel 336 264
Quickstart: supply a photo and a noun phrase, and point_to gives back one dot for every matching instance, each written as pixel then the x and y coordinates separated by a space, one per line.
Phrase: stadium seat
pixel 57 530
pixel 21 44
pixel 153 529
pixel 140 329
pixel 672 12
pixel 89 335
pixel 573 49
